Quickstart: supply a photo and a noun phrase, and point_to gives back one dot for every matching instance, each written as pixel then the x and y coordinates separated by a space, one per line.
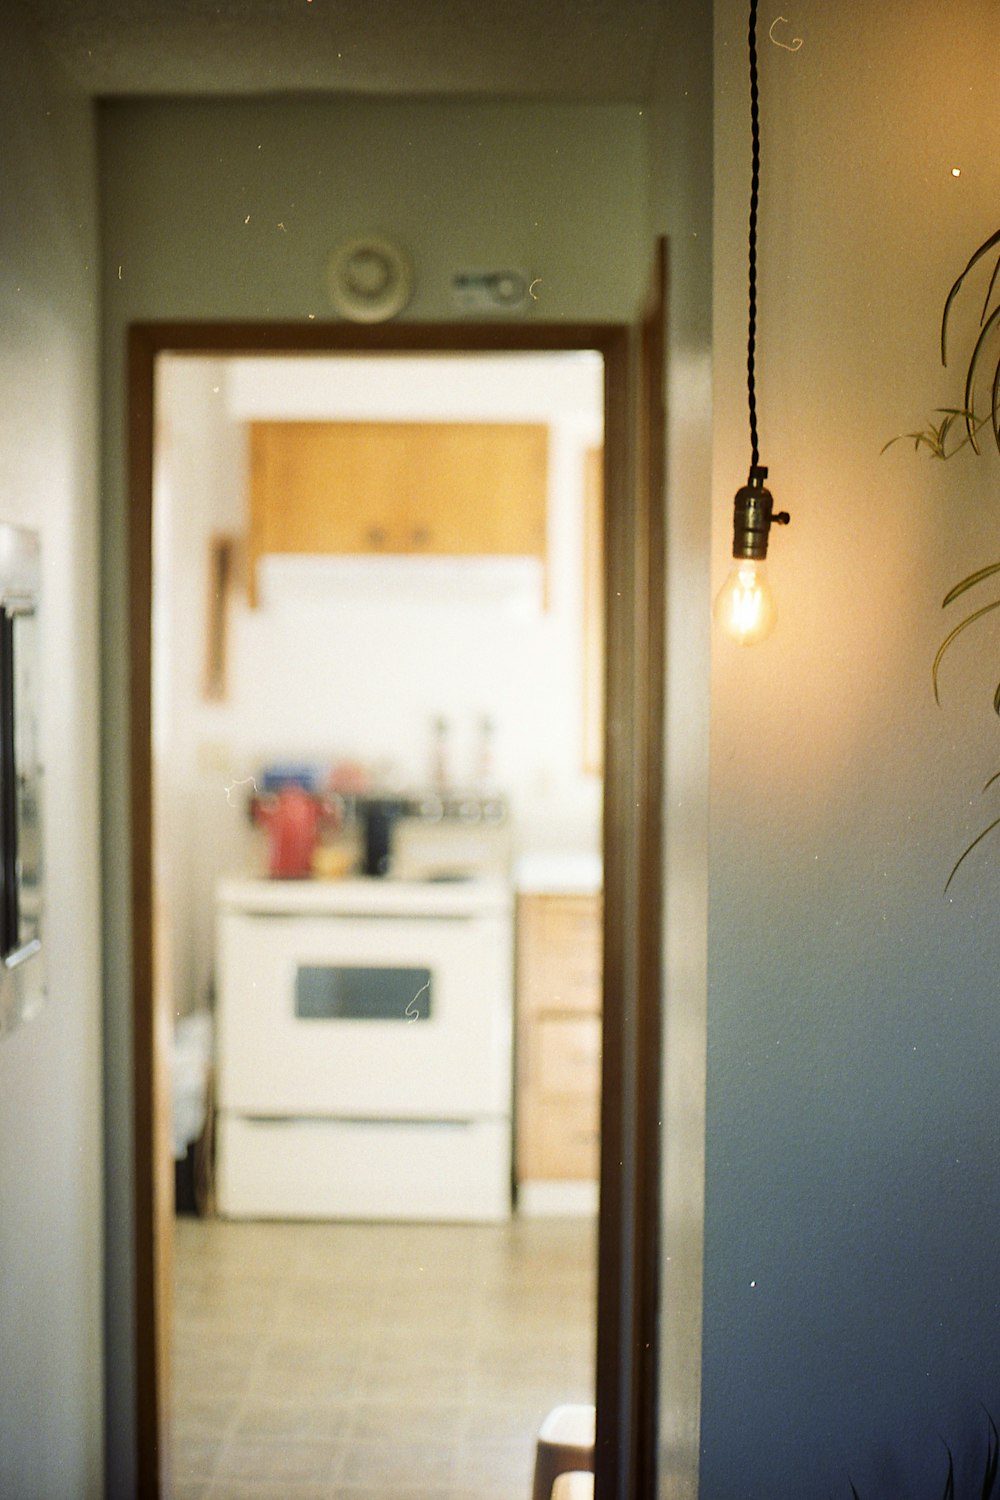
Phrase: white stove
pixel 364 1048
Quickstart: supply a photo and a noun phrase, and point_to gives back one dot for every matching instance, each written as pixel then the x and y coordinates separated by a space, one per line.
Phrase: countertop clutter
pixel 331 825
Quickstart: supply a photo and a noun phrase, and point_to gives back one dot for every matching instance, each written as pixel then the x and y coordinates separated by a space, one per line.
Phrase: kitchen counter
pixel 558 873
pixel 371 896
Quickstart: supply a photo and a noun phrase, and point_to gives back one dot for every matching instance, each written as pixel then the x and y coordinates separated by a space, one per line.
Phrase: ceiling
pixel 593 50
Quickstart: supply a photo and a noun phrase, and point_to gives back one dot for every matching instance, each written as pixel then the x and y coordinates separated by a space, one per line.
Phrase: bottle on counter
pixel 440 771
pixel 484 770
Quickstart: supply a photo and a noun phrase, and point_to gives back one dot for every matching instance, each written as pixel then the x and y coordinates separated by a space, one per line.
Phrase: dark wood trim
pixel 613 1363
pixel 627 1418
pixel 650 618
pixel 382 338
pixel 628 1229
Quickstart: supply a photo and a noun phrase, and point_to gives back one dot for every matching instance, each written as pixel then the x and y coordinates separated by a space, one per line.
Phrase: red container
pixel 292 820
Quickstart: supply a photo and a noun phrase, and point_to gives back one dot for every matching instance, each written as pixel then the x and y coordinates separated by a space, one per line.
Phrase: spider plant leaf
pixel 989 292
pixel 949 1487
pixel 996 708
pixel 966 852
pixel 976 256
pixel 964 625
pixel 992 1460
pixel 905 437
pixel 995 405
pixel 970 582
pixel 994 777
pixel 935 437
pixel 970 375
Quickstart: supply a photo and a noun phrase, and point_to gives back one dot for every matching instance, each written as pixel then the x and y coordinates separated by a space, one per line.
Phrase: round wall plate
pixel 370 279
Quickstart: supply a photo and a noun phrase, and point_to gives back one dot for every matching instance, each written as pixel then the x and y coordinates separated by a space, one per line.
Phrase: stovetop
pixel 443 893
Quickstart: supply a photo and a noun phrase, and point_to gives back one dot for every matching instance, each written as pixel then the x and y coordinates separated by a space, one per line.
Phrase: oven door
pixel 365 1017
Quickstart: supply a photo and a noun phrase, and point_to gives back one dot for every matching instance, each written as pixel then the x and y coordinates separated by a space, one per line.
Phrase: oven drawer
pixel 371 1017
pixel 363 1169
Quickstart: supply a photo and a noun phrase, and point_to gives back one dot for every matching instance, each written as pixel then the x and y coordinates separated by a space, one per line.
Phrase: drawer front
pixel 568 1055
pixel 363 1169
pixel 561 952
pixel 559 1142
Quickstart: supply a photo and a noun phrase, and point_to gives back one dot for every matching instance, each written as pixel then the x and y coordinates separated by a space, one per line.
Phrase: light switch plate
pixel 490 291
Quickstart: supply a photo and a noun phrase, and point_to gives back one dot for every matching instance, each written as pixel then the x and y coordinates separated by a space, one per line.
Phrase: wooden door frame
pixel 628 1234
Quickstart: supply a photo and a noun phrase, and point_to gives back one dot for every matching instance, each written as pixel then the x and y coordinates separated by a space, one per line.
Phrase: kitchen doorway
pixel 615 1277
pixel 369 1303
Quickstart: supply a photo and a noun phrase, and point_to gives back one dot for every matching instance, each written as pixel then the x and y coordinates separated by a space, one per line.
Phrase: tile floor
pixel 374 1362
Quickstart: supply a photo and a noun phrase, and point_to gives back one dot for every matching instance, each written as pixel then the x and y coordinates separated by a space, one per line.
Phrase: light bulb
pixel 745 607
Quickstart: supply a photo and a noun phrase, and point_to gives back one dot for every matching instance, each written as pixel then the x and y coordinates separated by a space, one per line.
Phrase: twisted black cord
pixel 754 193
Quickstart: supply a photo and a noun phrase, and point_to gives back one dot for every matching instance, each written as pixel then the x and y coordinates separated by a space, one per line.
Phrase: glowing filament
pixel 745 607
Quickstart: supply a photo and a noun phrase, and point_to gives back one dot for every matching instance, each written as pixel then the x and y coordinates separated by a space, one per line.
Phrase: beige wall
pixel 50 1126
pixel 852 1191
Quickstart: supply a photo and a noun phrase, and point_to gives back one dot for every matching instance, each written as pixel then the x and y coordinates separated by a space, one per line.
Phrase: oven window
pixel 335 993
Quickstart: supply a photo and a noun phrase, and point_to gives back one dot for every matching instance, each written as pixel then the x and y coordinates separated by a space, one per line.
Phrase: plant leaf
pixel 949 1488
pixel 992 1459
pixel 964 625
pixel 989 292
pixel 966 852
pixel 970 377
pixel 970 582
pixel 996 706
pixel 976 256
pixel 935 437
pixel 994 777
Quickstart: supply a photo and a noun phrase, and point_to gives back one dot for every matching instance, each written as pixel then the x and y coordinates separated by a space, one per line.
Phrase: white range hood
pixel 292 577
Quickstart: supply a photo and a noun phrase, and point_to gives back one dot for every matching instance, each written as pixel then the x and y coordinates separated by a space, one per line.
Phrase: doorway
pixel 618 1305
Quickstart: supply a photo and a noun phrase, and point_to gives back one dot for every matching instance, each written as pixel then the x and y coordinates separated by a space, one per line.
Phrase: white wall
pixel 353 660
pixel 50 1134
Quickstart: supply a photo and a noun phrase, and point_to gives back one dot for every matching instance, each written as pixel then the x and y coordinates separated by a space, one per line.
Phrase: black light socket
pixel 753 517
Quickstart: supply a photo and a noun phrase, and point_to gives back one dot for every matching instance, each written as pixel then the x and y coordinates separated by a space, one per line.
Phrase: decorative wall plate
pixel 370 279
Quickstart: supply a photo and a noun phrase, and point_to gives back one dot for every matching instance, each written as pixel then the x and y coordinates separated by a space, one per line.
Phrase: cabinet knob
pixel 376 536
pixel 421 536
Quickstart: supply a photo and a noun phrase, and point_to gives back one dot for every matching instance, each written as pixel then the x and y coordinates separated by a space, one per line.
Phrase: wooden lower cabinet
pixel 557 1101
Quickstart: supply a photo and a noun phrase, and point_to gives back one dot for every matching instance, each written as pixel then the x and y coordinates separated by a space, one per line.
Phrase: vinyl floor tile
pixel 374 1362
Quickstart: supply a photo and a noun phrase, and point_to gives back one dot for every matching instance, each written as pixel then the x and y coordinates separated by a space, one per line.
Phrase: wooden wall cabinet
pixel 446 488
pixel 558 1037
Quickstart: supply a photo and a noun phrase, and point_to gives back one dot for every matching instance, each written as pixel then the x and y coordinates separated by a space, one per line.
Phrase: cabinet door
pixel 400 487
pixel 559 1037
pixel 561 949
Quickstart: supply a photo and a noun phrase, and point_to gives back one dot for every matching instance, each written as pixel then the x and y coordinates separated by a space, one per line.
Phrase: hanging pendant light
pixel 745 607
